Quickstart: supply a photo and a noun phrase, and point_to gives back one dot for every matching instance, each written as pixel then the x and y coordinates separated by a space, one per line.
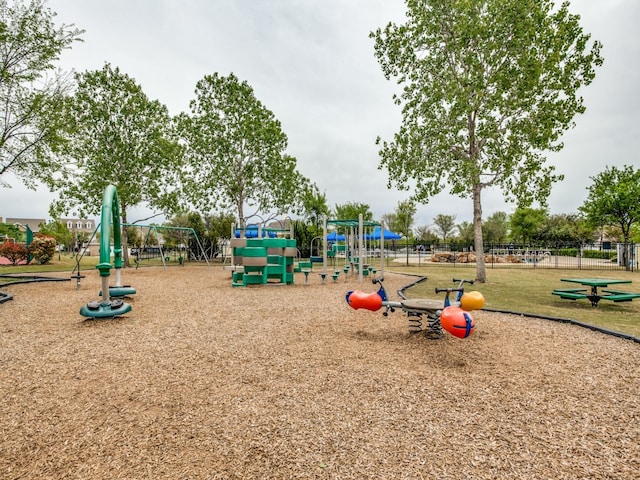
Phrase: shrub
pixel 42 248
pixel 14 252
pixel 603 254
pixel 568 252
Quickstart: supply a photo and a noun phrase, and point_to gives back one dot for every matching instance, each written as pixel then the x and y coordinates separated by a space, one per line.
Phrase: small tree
pixel 445 224
pixel 59 231
pixel 14 252
pixel 8 230
pixel 614 199
pixel 465 232
pixel 404 216
pixel 314 205
pixel 496 227
pixel 42 248
pixel 425 236
pixel 218 227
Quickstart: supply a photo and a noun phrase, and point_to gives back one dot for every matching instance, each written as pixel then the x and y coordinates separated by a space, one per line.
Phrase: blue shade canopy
pixel 388 235
pixel 335 237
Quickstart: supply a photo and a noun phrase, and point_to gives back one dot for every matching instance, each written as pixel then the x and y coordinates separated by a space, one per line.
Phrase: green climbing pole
pixel 110 215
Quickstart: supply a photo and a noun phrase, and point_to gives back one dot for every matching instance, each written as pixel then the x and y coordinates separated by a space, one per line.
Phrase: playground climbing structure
pixel 109 307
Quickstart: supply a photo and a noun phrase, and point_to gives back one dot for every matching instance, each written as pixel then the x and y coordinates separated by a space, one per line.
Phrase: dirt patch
pixel 203 380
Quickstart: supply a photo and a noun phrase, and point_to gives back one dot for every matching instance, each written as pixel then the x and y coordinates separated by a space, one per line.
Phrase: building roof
pixel 33 223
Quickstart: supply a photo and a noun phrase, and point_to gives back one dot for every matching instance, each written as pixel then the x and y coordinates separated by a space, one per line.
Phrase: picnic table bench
pixel 592 294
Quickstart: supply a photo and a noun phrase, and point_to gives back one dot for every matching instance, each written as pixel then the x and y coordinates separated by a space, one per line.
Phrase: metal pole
pixel 360 248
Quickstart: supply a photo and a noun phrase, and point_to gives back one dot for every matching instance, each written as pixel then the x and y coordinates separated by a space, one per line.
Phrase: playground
pixel 204 380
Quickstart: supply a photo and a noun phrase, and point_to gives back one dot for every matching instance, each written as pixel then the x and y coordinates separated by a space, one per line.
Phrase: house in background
pixel 79 225
pixel 81 228
pixel 23 223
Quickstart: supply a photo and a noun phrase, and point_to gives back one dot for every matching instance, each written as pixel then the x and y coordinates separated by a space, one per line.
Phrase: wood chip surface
pixel 202 380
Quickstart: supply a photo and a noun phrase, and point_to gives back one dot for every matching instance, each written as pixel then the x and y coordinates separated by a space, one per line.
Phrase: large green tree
pixel 526 223
pixel 119 137
pixel 236 152
pixel 31 90
pixel 488 87
pixel 614 199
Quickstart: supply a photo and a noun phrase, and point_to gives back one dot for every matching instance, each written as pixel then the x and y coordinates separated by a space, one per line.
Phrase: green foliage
pixel 496 228
pixel 567 252
pixel 14 252
pixel 603 254
pixel 425 236
pixel 526 223
pixel 235 152
pixel 11 231
pixel 465 232
pixel 31 90
pixel 219 226
pixel 42 248
pixel 403 218
pixel 208 230
pixel 303 235
pixel 614 199
pixel 134 236
pixel 445 224
pixel 487 87
pixel 564 228
pixel 314 205
pixel 352 211
pixel 57 230
pixel 120 137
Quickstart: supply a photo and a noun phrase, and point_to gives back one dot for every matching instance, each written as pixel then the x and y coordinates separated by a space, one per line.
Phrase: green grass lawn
pixel 517 290
pixel 529 291
pixel 63 263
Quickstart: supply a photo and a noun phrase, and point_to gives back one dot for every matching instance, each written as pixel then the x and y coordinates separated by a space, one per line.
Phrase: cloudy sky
pixel 312 64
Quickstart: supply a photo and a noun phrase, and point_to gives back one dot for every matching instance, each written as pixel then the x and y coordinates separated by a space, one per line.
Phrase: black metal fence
pixel 601 256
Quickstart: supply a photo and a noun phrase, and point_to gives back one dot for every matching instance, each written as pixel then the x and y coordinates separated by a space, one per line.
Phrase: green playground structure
pixel 263 260
pixel 109 308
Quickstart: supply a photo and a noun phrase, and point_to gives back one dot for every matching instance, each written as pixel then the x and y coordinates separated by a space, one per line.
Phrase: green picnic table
pixel 592 293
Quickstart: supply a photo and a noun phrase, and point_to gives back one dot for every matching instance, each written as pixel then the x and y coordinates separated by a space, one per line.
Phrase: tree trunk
pixel 481 272
pixel 240 207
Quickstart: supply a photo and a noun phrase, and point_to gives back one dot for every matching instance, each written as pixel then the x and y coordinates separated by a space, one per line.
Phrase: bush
pixel 14 252
pixel 42 248
pixel 602 254
pixel 567 252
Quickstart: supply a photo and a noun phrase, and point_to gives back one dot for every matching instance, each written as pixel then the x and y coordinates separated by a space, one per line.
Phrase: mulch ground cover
pixel 202 380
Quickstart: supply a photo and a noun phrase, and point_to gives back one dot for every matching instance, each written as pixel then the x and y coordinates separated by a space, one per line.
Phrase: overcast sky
pixel 312 64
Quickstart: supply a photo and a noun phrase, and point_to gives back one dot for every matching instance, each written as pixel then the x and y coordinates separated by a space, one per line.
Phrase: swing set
pixel 148 251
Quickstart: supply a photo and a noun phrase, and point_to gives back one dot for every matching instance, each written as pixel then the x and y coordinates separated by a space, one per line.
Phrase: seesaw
pixel 451 315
